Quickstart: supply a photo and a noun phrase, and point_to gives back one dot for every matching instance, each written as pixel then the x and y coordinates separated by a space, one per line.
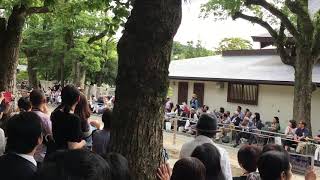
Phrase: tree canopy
pixel 234 43
pixel 81 33
pixel 191 50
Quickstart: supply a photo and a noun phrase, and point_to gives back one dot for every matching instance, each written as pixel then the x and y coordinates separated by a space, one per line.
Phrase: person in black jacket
pixel 24 135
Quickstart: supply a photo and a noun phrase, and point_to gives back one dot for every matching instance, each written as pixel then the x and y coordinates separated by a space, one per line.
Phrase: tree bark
pixel 69 42
pixel 75 71
pixel 10 40
pixel 61 70
pixel 82 77
pixel 79 74
pixel 32 74
pixel 303 86
pixel 144 56
pixel 9 47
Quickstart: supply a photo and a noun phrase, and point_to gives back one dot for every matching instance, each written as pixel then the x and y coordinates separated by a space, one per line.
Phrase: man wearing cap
pixel 206 129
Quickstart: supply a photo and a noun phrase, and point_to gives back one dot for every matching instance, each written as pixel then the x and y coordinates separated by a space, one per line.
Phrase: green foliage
pixel 22 76
pixel 45 40
pixel 108 65
pixel 223 9
pixel 235 43
pixel 180 51
pixel 170 92
pixel 23 61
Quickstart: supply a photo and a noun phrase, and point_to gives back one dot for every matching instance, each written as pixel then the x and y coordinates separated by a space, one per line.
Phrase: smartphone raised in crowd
pixel 300 163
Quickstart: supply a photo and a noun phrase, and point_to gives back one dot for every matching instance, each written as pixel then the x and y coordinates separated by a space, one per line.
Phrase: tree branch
pixel 257 20
pixel 276 12
pixel 305 24
pixel 37 10
pixel 98 37
pixel 279 38
pixel 286 58
pixel 296 8
pixel 315 42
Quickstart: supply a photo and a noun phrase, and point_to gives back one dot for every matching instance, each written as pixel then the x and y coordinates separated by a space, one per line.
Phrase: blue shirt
pixel 194 103
pixel 302 132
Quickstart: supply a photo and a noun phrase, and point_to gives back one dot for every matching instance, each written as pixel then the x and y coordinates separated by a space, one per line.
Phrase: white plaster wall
pixel 190 91
pixel 273 101
pixel 174 86
pixel 315 112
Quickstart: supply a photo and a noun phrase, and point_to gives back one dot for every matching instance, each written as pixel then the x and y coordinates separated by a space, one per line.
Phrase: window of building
pixel 243 93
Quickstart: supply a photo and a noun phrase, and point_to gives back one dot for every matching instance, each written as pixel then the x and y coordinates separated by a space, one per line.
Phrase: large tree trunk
pixel 82 77
pixel 9 47
pixel 32 72
pixel 303 86
pixel 61 70
pixel 75 72
pixel 144 56
pixel 79 74
pixel 69 41
pixel 99 79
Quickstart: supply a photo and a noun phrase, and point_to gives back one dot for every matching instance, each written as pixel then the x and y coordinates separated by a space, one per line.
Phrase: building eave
pixel 250 81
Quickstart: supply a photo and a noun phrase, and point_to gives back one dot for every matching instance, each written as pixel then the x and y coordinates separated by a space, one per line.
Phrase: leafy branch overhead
pixel 276 16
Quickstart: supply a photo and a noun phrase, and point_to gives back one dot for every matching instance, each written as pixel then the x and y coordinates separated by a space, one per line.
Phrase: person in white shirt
pixel 206 129
pixel 290 133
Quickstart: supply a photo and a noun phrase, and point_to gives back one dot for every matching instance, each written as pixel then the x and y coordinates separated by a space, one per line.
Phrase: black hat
pixel 207 123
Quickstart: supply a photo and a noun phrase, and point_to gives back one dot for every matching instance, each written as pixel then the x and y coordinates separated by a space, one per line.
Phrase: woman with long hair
pixel 83 111
pixel 290 133
pixel 66 126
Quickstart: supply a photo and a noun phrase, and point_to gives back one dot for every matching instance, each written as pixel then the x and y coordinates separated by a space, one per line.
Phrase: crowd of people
pixel 97 105
pixel 202 159
pixel 68 145
pixel 29 136
pixel 242 125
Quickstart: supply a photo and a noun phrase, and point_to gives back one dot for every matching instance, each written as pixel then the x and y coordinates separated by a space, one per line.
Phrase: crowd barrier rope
pixel 260 133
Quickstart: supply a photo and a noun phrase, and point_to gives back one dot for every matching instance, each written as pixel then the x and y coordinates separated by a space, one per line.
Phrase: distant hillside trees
pixel 191 50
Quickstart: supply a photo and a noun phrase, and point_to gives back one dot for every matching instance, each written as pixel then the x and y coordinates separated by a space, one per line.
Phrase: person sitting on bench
pixel 244 131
